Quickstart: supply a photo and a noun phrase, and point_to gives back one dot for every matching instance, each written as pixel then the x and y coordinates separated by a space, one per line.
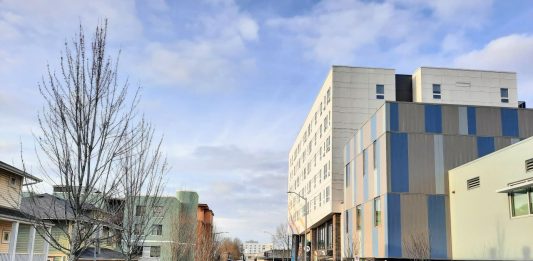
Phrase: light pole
pixel 305 212
pixel 271 250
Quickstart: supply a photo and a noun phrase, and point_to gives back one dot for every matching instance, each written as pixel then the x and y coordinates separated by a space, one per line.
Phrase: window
pixel 380 91
pixel 155 251
pixel 329 95
pixel 358 217
pixel 140 211
pixel 347 171
pixel 520 203
pixel 5 236
pixel 13 181
pixel 472 183
pixel 159 211
pixel 504 95
pixel 137 230
pixel 436 91
pixel 157 230
pixel 327 194
pixel 374 154
pixel 377 211
pixel 328 144
pixel 325 123
pixel 347 221
pixel 365 162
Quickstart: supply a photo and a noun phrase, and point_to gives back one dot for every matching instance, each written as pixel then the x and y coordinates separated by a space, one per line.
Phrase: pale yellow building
pixel 491 205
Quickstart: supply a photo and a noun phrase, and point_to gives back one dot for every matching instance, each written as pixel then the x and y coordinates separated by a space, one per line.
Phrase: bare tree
pixel 351 249
pixel 207 244
pixel 88 134
pixel 142 168
pixel 183 234
pixel 230 248
pixel 282 238
pixel 416 246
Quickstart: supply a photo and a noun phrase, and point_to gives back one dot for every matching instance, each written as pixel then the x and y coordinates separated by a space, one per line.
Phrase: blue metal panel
pixel 347 152
pixel 485 145
pixel 509 122
pixel 463 121
pixel 373 131
pixel 394 226
pixel 433 118
pixel 437 226
pixel 393 117
pixel 399 162
pixel 471 113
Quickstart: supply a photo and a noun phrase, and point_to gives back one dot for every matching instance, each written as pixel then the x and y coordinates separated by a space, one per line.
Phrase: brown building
pixel 205 243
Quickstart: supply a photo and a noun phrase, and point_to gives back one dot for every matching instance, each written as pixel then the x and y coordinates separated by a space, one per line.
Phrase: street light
pixel 305 230
pixel 272 249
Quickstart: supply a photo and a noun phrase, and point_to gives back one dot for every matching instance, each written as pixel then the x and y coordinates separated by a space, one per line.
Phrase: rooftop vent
pixel 472 183
pixel 529 165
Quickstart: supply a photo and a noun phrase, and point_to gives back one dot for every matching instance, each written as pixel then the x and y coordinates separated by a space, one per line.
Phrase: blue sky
pixel 229 83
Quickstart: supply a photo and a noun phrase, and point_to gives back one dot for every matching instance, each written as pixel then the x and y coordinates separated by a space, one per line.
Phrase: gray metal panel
pixel 488 121
pixel 458 150
pixel 414 219
pixel 439 164
pixel 450 119
pixel 463 120
pixel 525 123
pixel 421 164
pixel 502 142
pixel 411 117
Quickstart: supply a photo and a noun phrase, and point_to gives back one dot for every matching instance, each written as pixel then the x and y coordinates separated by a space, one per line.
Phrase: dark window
pixel 157 230
pixel 380 91
pixel 347 170
pixel 155 251
pixel 504 95
pixel 358 217
pixel 377 211
pixel 436 91
pixel 140 211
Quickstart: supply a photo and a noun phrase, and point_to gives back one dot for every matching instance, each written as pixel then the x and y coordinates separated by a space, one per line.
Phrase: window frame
pixel 157 230
pixel 437 94
pixel 380 91
pixel 358 214
pixel 377 214
pixel 4 233
pixel 504 98
pixel 529 197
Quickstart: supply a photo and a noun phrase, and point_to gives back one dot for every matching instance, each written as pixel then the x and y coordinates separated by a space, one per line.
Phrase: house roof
pixel 105 254
pixel 13 170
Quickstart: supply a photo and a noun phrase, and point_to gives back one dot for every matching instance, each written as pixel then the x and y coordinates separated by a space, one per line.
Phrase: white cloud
pixel 210 60
pixel 348 32
pixel 508 53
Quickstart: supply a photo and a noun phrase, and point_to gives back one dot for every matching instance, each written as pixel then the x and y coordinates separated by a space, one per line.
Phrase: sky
pixel 229 83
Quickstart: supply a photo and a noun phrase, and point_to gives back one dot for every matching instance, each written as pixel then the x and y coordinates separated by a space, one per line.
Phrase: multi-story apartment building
pixel 253 249
pixel 491 205
pixel 395 167
pixel 20 239
pixel 346 99
pixel 173 233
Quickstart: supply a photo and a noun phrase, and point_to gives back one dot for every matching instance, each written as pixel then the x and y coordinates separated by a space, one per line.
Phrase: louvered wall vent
pixel 529 165
pixel 472 183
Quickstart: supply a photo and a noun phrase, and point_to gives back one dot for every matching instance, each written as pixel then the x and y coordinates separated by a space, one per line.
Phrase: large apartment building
pixel 349 97
pixel 396 165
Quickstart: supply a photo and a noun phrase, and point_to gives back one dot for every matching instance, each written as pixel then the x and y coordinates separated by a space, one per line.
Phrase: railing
pixel 23 257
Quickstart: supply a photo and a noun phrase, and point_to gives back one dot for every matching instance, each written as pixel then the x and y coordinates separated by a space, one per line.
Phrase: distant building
pixel 173 231
pixel 491 205
pixel 205 237
pixel 253 249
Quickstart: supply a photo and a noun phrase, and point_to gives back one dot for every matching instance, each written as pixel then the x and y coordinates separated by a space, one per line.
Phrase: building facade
pixel 20 239
pixel 491 205
pixel 396 182
pixel 173 234
pixel 346 99
pixel 253 249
